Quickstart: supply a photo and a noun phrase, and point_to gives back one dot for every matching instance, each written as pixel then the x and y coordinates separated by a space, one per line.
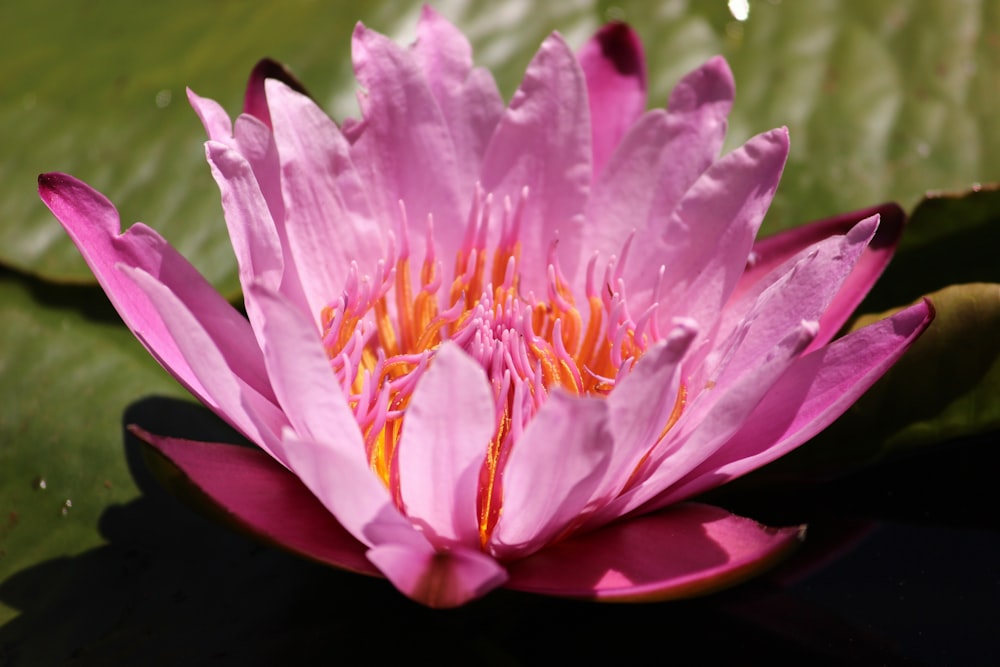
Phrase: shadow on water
pixel 172 587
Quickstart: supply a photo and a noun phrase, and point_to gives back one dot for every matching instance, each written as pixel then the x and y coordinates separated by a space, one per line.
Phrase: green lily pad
pixel 69 370
pixel 951 238
pixel 883 101
pixel 945 388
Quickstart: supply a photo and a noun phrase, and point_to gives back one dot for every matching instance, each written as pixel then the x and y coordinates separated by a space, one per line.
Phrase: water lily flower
pixel 494 345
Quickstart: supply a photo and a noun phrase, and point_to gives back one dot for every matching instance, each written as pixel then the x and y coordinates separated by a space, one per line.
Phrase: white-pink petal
pixel 440 580
pixel 467 96
pixel 543 143
pixel 300 372
pixel 404 148
pixel 552 473
pixel 450 420
pixel 328 219
pixel 705 243
pixel 640 406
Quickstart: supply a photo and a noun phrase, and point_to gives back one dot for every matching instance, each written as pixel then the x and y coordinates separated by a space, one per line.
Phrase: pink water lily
pixel 490 345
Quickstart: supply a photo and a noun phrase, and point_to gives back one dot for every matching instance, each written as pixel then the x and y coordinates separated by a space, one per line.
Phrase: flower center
pixel 381 335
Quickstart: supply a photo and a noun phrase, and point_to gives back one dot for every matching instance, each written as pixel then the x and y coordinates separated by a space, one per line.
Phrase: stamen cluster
pixel 381 336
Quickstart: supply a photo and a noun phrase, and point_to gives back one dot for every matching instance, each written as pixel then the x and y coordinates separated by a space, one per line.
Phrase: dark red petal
pixel 772 251
pixel 682 551
pixel 255 100
pixel 248 488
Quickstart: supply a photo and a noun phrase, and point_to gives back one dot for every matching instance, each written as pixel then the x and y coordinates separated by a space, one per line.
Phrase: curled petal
pixel 93 224
pixel 255 98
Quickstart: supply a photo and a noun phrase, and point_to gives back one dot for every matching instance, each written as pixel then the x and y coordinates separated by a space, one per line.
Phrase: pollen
pixel 382 333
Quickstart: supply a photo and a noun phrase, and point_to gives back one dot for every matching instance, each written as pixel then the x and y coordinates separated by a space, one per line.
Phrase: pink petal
pixel 804 290
pixel 218 125
pixel 659 160
pixel 254 415
pixel 303 380
pixel 641 404
pixel 814 391
pixel 251 230
pixel 699 106
pixel 615 70
pixel 704 243
pixel 449 422
pixel 255 99
pixel 263 498
pixel 256 143
pixel 93 224
pixel 328 219
pixel 342 480
pixel 467 97
pixel 441 580
pixel 543 142
pixel 708 422
pixel 338 475
pixel 772 251
pixel 683 551
pixel 708 238
pixel 552 473
pixel 405 150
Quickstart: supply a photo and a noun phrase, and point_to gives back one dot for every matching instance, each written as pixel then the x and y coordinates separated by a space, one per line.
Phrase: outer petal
pixel 218 125
pixel 803 291
pixel 681 552
pixel 615 70
pixel 438 579
pixel 467 97
pixel 254 415
pixel 449 422
pixel 543 142
pixel 773 251
pixel 93 224
pixel 328 219
pixel 703 429
pixel 815 391
pixel 552 473
pixel 263 498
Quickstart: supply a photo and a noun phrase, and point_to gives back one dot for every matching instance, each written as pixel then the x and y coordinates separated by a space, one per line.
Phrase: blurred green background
pixel 884 101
